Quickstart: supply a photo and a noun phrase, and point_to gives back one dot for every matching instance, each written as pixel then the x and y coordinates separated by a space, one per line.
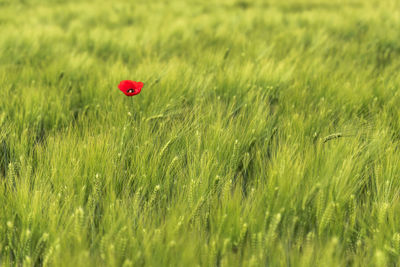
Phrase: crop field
pixel 267 133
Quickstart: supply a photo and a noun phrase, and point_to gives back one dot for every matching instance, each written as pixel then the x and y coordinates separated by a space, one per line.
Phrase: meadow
pixel 224 158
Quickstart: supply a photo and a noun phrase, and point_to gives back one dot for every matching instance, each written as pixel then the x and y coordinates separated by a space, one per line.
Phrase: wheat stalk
pixel 335 136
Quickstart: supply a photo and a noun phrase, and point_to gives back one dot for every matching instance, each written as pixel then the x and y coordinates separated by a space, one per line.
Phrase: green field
pixel 267 133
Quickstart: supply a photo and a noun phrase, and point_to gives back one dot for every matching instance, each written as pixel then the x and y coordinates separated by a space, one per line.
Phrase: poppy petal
pixel 130 88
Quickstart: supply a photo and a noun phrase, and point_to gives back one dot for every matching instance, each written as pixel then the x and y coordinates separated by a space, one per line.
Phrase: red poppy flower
pixel 130 88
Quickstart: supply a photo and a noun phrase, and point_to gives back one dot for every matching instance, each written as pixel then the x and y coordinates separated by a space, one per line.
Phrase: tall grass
pixel 220 161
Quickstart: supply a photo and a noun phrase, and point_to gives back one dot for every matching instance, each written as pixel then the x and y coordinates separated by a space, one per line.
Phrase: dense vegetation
pixel 221 160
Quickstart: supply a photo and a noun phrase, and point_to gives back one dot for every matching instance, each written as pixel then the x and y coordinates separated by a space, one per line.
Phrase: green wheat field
pixel 267 133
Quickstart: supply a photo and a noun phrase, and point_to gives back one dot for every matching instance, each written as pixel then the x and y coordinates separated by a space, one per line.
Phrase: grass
pixel 221 160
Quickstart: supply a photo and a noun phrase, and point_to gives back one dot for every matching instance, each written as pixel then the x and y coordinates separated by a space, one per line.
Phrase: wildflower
pixel 130 88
